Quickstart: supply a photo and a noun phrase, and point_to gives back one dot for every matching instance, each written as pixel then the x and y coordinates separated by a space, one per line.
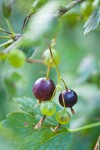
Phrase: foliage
pixel 57 25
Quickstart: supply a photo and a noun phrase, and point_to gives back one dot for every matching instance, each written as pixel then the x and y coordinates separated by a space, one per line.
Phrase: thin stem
pixel 53 94
pixel 72 110
pixel 5 37
pixel 38 126
pixel 35 61
pixel 26 20
pixel 2 30
pixel 56 128
pixel 64 83
pixel 85 127
pixel 62 11
pixel 10 27
pixel 54 63
pixel 63 100
pixel 48 70
pixel 4 44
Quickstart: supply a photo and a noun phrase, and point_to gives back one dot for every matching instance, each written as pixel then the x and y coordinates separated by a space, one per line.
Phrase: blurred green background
pixel 79 66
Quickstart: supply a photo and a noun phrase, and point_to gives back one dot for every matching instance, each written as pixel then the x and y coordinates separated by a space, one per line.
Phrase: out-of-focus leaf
pixel 38 3
pixel 93 22
pixel 28 50
pixel 22 124
pixel 86 69
pixel 27 104
pixel 42 22
pixel 15 83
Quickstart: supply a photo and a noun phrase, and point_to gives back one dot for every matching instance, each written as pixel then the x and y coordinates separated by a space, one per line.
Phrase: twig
pixel 63 10
pixel 34 61
pixel 26 20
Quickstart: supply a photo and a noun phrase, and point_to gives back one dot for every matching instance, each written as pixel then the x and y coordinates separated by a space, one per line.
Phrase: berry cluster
pixel 44 90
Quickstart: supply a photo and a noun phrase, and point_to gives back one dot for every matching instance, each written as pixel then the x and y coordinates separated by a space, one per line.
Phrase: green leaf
pixel 27 104
pixel 43 21
pixel 28 50
pixel 22 124
pixel 15 83
pixel 32 107
pixel 93 22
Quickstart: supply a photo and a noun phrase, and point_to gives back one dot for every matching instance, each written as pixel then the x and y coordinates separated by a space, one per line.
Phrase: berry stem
pixel 63 101
pixel 5 37
pixel 48 71
pixel 49 46
pixel 35 61
pixel 56 128
pixel 2 30
pixel 53 94
pixel 64 83
pixel 39 124
pixel 10 27
pixel 85 127
pixel 72 110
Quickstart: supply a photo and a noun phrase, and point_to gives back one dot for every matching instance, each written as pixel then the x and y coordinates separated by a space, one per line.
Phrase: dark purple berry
pixel 70 98
pixel 43 89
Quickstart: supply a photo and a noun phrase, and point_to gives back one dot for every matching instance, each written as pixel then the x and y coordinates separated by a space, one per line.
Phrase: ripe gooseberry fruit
pixel 43 89
pixel 47 57
pixel 69 97
pixel 48 108
pixel 16 58
pixel 63 117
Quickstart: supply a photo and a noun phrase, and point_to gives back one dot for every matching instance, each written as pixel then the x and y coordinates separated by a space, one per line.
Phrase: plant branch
pixel 10 27
pixel 34 61
pixel 2 30
pixel 63 10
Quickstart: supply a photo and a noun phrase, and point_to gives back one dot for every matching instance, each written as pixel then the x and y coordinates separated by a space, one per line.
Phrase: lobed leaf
pixel 22 125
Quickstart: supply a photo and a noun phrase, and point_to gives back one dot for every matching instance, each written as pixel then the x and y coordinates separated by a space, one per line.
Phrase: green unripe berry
pixel 48 108
pixel 47 57
pixel 63 117
pixel 3 56
pixel 16 58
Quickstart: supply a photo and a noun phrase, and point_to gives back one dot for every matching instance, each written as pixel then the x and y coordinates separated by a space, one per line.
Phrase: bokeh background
pixel 79 66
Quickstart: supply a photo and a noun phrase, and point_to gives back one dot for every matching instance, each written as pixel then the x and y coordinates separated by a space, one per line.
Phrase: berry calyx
pixel 16 58
pixel 48 108
pixel 63 117
pixel 43 89
pixel 48 59
pixel 68 98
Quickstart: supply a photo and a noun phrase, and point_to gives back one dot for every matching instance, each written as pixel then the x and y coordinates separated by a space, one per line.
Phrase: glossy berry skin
pixel 47 108
pixel 70 98
pixel 43 89
pixel 63 117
